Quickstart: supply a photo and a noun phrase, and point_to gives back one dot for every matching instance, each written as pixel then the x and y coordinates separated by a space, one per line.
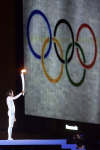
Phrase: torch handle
pixel 23 82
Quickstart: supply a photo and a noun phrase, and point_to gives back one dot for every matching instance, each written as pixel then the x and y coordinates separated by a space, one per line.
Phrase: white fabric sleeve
pixel 17 96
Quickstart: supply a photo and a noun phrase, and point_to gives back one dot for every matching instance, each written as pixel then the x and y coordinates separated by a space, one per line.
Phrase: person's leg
pixel 9 132
pixel 10 127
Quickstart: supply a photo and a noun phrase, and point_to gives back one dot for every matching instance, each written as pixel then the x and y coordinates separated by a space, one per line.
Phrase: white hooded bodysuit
pixel 11 112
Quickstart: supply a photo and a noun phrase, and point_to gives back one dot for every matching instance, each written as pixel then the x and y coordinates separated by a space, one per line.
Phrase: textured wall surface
pixel 62 100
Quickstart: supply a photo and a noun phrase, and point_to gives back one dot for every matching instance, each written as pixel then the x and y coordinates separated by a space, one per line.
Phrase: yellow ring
pixel 42 61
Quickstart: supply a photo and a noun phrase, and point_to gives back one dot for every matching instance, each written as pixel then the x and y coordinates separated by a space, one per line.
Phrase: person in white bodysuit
pixel 11 111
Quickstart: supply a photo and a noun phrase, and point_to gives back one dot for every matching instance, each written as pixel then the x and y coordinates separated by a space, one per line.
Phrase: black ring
pixel 72 34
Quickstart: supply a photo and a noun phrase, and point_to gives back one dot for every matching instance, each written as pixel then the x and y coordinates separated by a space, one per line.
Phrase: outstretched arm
pixel 17 96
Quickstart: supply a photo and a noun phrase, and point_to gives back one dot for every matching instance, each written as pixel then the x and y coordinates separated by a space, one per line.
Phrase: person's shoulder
pixel 9 98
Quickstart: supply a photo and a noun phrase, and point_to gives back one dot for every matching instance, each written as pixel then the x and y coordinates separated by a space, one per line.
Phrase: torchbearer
pixel 11 106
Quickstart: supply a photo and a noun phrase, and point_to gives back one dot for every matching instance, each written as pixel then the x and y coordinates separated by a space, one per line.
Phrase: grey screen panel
pixel 62 100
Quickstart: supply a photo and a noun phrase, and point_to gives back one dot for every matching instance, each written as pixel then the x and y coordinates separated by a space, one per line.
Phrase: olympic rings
pixel 66 66
pixel 72 35
pixel 56 42
pixel 42 61
pixel 94 39
pixel 38 12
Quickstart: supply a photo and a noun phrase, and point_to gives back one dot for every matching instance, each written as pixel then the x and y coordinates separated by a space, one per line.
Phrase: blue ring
pixel 49 29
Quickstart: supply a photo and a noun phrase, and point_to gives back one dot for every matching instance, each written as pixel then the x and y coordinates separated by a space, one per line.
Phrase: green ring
pixel 66 65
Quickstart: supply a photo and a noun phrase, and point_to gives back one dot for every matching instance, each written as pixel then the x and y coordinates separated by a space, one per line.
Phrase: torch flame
pixel 23 70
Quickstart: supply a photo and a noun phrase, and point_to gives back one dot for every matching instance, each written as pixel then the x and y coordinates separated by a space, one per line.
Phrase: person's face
pixel 78 136
pixel 11 93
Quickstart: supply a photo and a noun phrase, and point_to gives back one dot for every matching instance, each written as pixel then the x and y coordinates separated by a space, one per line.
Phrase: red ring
pixel 89 66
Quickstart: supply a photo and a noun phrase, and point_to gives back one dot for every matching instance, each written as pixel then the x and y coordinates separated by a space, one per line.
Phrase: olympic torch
pixel 23 71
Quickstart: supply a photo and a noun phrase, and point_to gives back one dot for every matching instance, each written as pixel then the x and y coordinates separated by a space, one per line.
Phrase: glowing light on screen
pixel 71 127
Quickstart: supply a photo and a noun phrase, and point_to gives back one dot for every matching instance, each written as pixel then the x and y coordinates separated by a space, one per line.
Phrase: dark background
pixel 11 61
pixel 7 56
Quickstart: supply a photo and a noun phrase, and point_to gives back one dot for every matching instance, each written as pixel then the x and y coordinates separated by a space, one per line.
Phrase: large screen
pixel 61 55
